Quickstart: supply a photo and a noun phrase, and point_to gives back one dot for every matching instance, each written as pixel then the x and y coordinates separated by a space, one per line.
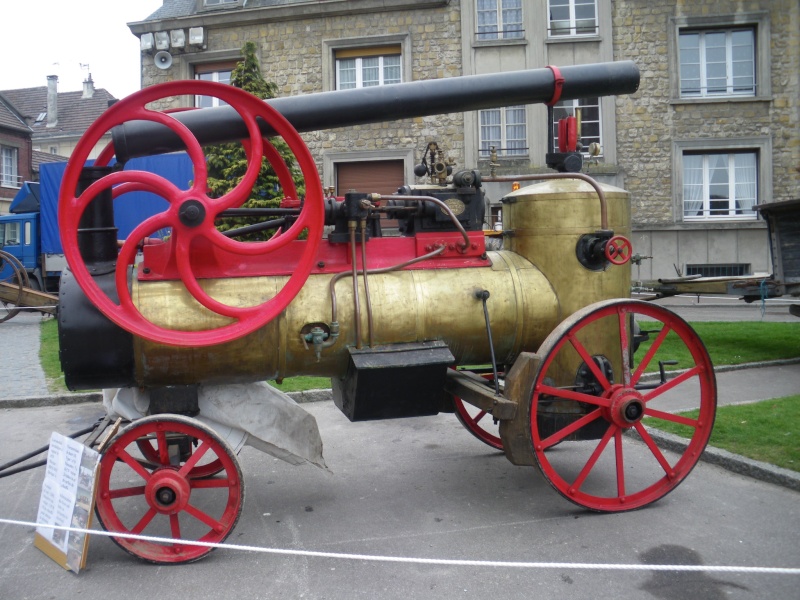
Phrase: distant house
pixel 15 152
pixel 56 119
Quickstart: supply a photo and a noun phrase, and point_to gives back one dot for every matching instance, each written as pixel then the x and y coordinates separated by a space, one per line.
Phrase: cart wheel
pixel 165 499
pixel 478 422
pixel 14 280
pixel 591 386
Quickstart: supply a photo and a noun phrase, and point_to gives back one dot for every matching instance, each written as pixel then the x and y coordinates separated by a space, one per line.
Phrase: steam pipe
pixel 328 110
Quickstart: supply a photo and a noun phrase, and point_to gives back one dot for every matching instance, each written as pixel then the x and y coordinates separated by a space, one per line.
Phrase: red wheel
pixel 14 280
pixel 592 385
pixel 618 250
pixel 191 213
pixel 478 422
pixel 164 499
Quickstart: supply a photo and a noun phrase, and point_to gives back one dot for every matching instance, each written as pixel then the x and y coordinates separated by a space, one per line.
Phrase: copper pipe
pixel 356 303
pixel 544 177
pixel 366 283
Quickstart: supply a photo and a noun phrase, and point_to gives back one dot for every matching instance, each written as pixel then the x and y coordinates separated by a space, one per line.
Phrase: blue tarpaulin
pixel 27 199
pixel 129 209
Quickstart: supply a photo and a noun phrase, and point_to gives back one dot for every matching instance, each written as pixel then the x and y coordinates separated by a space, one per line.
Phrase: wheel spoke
pixel 651 352
pixel 175 526
pixel 134 464
pixel 587 468
pixel 648 439
pixel 624 341
pixel 673 383
pixel 569 429
pixel 145 521
pixel 210 483
pixel 620 463
pixel 673 418
pixel 203 517
pixel 163 449
pixel 587 358
pixel 194 458
pixel 126 492
pixel 573 395
pixel 478 417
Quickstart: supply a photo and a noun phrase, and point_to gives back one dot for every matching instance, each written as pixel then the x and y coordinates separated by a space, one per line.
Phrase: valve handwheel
pixel 618 250
pixel 192 212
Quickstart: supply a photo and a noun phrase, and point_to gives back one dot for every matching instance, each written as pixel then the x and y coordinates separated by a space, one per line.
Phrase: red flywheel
pixel 191 213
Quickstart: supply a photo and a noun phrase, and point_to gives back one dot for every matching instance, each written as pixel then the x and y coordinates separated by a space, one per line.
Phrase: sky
pixel 56 37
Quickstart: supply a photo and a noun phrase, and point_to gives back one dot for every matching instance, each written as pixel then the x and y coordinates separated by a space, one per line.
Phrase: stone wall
pixel 650 120
pixel 293 55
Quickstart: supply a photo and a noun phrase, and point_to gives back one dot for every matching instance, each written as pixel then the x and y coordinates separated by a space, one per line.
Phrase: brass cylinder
pixel 408 306
pixel 546 222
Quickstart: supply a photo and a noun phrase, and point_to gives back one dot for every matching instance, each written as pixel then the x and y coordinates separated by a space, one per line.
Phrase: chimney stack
pixel 52 100
pixel 88 87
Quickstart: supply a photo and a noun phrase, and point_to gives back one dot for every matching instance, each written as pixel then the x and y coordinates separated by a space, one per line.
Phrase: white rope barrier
pixel 425 561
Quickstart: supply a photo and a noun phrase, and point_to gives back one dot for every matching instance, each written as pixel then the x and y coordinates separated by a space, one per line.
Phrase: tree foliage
pixel 227 163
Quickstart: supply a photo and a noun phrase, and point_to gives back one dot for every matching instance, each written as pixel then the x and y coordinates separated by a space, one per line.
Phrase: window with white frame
pixel 9 167
pixel 717 63
pixel 590 126
pixel 219 73
pixel 368 67
pixel 499 19
pixel 218 2
pixel 720 186
pixel 505 129
pixel 572 17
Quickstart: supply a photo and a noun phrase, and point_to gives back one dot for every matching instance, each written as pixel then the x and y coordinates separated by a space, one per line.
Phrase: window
pixel 500 19
pixel 9 164
pixel 28 237
pixel 589 110
pixel 219 2
pixel 717 63
pixel 220 73
pixel 53 149
pixel 505 129
pixel 572 17
pixel 11 234
pixel 720 186
pixel 367 67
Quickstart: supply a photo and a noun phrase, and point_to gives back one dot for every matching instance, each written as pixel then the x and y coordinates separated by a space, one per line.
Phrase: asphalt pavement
pixel 415 488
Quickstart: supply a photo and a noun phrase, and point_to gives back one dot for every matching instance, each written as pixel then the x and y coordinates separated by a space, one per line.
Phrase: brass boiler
pixel 535 282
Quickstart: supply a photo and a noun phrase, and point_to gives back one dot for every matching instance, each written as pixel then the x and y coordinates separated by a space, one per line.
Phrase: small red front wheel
pixel 618 250
pixel 155 493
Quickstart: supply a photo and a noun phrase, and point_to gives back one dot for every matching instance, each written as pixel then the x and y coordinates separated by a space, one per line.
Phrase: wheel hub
pixel 627 406
pixel 167 491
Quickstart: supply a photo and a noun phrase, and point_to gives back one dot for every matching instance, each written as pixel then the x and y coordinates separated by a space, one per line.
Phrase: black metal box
pixel 393 381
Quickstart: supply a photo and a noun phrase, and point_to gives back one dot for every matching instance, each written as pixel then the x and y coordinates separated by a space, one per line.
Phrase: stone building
pixel 56 119
pixel 697 125
pixel 306 47
pixel 15 153
pixel 712 132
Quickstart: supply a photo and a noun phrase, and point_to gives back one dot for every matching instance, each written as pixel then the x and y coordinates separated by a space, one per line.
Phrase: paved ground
pixel 418 488
pixel 20 373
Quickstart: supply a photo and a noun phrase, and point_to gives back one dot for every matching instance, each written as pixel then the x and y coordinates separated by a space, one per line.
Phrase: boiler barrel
pixel 328 110
pixel 408 306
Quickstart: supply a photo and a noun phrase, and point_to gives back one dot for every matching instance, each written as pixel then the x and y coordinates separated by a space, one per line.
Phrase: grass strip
pixel 768 431
pixel 733 343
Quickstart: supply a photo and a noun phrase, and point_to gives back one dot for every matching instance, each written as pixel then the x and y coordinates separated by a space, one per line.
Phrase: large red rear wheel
pixel 161 497
pixel 598 387
pixel 191 214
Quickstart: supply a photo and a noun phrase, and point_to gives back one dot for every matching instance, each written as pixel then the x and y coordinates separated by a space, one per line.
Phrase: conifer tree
pixel 227 163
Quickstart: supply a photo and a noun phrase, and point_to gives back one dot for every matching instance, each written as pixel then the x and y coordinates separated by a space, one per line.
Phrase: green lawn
pixel 734 343
pixel 768 431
